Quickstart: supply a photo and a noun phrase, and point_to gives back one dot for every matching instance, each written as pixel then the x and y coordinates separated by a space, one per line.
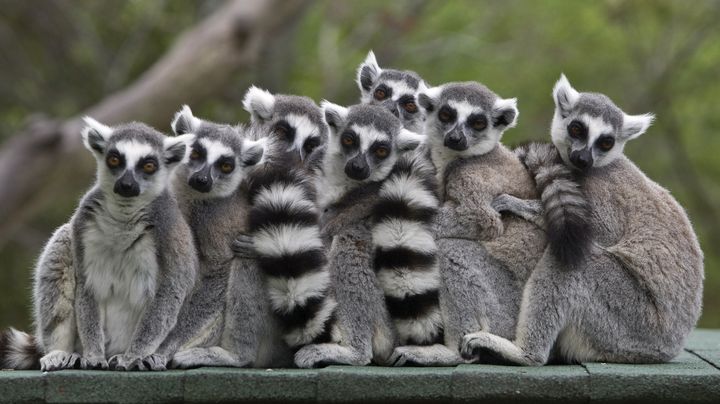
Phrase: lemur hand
pixel 244 247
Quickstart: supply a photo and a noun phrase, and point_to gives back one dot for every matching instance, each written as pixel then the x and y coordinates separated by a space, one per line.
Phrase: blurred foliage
pixel 59 57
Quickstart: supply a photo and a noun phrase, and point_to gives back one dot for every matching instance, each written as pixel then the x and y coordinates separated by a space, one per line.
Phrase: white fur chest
pixel 121 269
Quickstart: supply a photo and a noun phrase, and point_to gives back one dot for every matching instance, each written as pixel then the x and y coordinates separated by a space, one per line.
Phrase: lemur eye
pixel 382 152
pixel 149 167
pixel 227 167
pixel 575 130
pixel 311 144
pixel 410 107
pixel 445 115
pixel 113 161
pixel 605 143
pixel 380 94
pixel 479 124
pixel 348 140
pixel 194 155
pixel 281 130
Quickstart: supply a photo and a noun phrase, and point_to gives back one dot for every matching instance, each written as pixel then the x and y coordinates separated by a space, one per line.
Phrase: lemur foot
pixel 482 343
pixel 59 360
pixel 321 355
pixel 152 362
pixel 433 355
pixel 528 209
pixel 94 363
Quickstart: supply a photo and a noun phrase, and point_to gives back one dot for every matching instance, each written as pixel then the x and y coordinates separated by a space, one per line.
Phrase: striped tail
pixel 406 260
pixel 566 208
pixel 18 350
pixel 283 222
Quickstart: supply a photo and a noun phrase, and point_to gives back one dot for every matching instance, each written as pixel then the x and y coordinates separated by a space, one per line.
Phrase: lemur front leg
pixel 528 209
pixel 90 330
pixel 458 221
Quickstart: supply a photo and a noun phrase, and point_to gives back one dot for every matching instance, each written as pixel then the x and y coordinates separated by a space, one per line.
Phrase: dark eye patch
pixel 577 130
pixel 349 140
pixel 115 154
pixel 311 143
pixel 145 160
pixel 605 142
pixel 478 122
pixel 200 150
pixel 225 160
pixel 382 92
pixel 447 114
pixel 283 129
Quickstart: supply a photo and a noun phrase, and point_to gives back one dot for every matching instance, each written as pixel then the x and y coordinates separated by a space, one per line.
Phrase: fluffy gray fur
pixel 638 295
pixel 395 90
pixel 110 283
pixel 486 258
pixel 227 321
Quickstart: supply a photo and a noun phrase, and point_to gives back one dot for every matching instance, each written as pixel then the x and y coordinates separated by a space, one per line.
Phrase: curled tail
pixel 283 223
pixel 18 350
pixel 566 208
pixel 406 260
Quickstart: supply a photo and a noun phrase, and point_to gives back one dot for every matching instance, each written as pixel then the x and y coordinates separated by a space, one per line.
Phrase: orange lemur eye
pixel 113 161
pixel 380 94
pixel 149 167
pixel 194 155
pixel 226 168
pixel 606 143
pixel 410 107
pixel 575 129
pixel 348 140
pixel 382 152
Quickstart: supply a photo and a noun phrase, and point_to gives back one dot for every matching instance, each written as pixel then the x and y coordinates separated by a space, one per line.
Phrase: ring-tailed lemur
pixel 283 219
pixel 638 293
pixel 395 90
pixel 363 171
pixel 110 283
pixel 485 258
pixel 226 322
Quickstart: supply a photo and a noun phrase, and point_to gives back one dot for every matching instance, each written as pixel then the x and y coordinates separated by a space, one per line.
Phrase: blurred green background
pixel 59 57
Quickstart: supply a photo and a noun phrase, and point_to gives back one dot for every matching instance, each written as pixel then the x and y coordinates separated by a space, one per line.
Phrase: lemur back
pixel 636 294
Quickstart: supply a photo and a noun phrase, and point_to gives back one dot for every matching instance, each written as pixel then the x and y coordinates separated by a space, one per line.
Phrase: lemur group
pixel 397 232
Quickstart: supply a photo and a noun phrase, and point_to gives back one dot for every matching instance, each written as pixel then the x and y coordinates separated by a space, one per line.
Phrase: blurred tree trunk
pixel 228 42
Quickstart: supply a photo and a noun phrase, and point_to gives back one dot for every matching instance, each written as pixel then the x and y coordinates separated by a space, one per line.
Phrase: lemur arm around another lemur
pixel 637 293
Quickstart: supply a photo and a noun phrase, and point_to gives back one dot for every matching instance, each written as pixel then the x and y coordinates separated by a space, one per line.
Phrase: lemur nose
pixel 582 159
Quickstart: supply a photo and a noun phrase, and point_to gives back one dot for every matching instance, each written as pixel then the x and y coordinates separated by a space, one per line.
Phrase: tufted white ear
pixel 635 125
pixel 565 96
pixel 259 103
pixel 184 122
pixel 408 140
pixel 368 72
pixel 95 135
pixel 253 151
pixel 335 115
pixel 505 113
pixel 429 97
pixel 177 149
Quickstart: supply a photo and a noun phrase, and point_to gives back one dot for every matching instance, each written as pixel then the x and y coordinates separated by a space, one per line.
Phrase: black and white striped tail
pixel 283 222
pixel 566 208
pixel 18 350
pixel 406 262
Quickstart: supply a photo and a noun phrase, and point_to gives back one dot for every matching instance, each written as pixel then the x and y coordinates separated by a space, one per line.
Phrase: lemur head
pixel 395 90
pixel 219 155
pixel 294 121
pixel 364 141
pixel 467 118
pixel 134 160
pixel 588 129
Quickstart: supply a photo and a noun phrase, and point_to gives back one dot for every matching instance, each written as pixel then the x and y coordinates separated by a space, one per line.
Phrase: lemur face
pixel 294 121
pixel 134 160
pixel 365 141
pixel 219 156
pixel 588 129
pixel 466 118
pixel 394 90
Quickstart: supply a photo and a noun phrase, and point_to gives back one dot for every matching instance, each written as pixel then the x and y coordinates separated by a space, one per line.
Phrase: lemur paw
pixel 474 344
pixel 424 355
pixel 244 247
pixel 316 356
pixel 59 360
pixel 152 362
pixel 187 359
pixel 94 363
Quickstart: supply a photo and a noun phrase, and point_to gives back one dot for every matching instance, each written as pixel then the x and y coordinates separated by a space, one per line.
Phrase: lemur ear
pixel 184 122
pixel 175 149
pixel 259 103
pixel 368 72
pixel 408 140
pixel 334 115
pixel 565 96
pixel 95 135
pixel 429 98
pixel 635 125
pixel 253 151
pixel 505 113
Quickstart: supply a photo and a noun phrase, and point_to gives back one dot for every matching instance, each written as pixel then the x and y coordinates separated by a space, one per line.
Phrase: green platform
pixel 694 376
